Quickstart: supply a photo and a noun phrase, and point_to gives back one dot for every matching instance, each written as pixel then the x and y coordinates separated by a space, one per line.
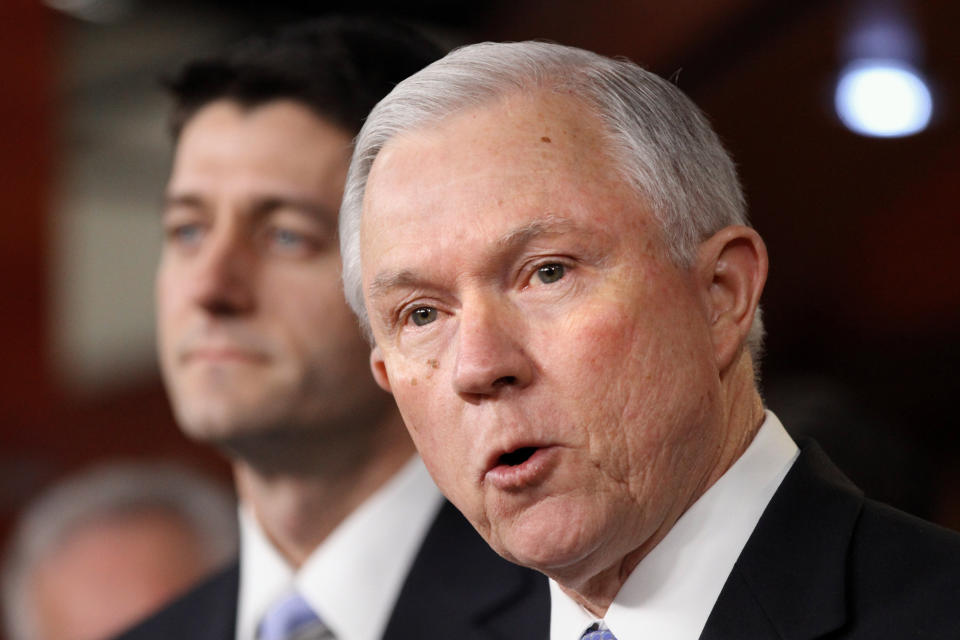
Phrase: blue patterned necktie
pixel 596 633
pixel 292 619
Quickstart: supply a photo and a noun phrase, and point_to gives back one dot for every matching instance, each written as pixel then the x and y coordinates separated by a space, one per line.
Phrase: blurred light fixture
pixel 881 91
pixel 883 98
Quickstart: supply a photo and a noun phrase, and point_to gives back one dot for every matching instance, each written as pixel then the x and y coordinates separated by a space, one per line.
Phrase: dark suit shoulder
pixel 904 572
pixel 206 612
pixel 460 588
pixel 824 561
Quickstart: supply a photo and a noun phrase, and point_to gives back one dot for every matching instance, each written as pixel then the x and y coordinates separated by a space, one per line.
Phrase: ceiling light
pixel 883 98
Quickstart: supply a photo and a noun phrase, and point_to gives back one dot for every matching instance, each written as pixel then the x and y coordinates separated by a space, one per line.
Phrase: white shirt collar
pixel 670 594
pixel 354 577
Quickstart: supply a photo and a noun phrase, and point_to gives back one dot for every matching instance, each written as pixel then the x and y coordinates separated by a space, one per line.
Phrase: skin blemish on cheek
pixel 434 364
pixel 545 139
pixel 414 382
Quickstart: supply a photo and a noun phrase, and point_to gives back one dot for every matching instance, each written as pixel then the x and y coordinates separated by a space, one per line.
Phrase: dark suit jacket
pixel 824 562
pixel 457 588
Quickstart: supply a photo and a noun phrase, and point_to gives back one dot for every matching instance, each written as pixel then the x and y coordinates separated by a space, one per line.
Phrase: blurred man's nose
pixel 223 277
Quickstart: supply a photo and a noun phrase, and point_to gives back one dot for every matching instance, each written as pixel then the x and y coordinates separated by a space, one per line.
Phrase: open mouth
pixel 516 457
pixel 522 468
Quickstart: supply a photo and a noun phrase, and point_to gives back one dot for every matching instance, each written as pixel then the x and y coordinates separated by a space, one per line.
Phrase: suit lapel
pixel 790 579
pixel 207 612
pixel 459 588
pixel 212 612
pixel 224 624
pixel 738 614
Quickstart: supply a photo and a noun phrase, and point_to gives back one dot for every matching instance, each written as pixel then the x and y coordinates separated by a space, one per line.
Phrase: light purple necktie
pixel 291 618
pixel 596 633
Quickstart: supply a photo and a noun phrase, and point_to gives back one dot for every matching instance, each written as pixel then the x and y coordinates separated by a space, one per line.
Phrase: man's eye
pixel 423 315
pixel 287 238
pixel 185 234
pixel 290 242
pixel 550 273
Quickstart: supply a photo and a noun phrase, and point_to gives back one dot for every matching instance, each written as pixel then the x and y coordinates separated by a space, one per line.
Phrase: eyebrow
pixel 181 200
pixel 262 206
pixel 384 282
pixel 549 225
pixel 268 204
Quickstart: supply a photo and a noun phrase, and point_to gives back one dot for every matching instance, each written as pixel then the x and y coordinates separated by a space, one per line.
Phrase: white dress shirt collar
pixel 353 578
pixel 670 594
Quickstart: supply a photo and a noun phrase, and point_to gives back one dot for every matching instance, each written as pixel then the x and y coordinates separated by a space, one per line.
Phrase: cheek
pixel 421 374
pixel 630 371
pixel 429 432
pixel 161 292
pixel 600 343
pixel 428 407
pixel 632 330
pixel 418 391
pixel 174 289
pixel 309 305
pixel 167 300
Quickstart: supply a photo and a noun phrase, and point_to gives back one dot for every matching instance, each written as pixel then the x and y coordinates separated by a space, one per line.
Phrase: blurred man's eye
pixel 290 242
pixel 287 238
pixel 187 234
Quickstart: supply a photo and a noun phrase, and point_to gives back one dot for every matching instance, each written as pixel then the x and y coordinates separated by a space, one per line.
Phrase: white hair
pixel 114 489
pixel 659 140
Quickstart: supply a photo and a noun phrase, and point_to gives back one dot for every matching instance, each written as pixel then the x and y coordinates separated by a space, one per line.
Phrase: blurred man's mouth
pixel 223 354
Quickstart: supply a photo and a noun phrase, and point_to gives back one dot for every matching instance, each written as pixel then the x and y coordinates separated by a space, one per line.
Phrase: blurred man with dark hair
pixel 342 532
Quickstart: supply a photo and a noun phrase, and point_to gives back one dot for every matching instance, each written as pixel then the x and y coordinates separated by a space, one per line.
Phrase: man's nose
pixel 222 278
pixel 491 357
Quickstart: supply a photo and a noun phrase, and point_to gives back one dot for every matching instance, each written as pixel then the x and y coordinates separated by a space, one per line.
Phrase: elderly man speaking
pixel 550 250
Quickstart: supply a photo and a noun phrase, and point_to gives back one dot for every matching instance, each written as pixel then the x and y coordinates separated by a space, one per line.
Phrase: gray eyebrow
pixel 550 224
pixel 547 225
pixel 384 282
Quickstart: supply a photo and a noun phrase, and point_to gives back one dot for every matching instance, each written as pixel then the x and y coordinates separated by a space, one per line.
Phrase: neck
pixel 300 505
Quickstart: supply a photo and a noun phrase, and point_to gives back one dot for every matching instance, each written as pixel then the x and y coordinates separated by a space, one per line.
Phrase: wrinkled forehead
pixel 542 133
pixel 498 167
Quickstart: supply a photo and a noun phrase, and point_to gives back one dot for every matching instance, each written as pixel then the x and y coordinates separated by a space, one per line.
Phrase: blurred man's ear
pixel 732 269
pixel 379 369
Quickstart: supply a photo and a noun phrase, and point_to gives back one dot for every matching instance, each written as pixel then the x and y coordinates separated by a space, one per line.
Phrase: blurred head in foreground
pixel 102 549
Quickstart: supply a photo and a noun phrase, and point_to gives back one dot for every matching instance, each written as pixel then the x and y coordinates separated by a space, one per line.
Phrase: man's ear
pixel 732 267
pixel 379 369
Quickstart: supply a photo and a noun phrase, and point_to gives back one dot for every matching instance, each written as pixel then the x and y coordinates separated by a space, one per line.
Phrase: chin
pixel 546 539
pixel 215 423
